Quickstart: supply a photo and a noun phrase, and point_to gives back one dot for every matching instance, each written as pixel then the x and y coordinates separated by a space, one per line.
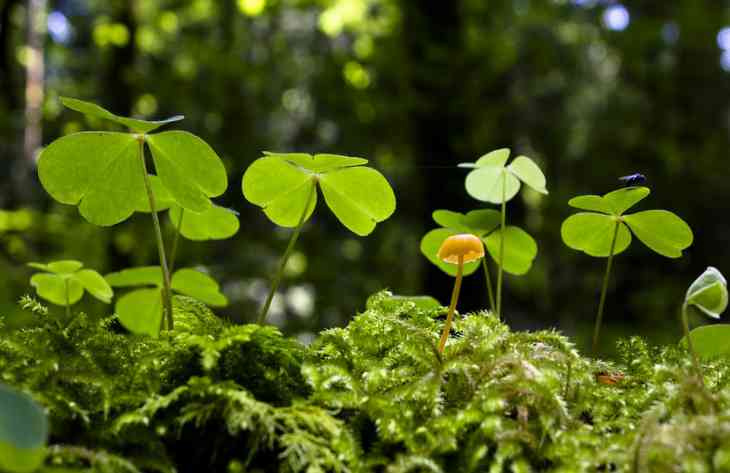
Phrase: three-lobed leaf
pixel 660 230
pixel 63 282
pixel 23 432
pixel 103 172
pixel 283 183
pixel 520 247
pixel 140 311
pixel 492 181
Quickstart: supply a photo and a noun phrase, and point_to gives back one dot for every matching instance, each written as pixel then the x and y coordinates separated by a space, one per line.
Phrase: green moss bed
pixel 374 396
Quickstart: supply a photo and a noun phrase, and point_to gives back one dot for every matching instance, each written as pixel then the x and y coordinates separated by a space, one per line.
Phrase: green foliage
pixel 64 282
pixel 140 310
pixel 520 247
pixel 23 432
pixel 490 174
pixel 205 397
pixel 707 294
pixel 503 401
pixel 592 233
pixel 216 223
pixel 102 173
pixel 282 183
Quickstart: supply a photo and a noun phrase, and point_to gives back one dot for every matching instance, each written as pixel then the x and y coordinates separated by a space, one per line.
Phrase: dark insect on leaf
pixel 633 179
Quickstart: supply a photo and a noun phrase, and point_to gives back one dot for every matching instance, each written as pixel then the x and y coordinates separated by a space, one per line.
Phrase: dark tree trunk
pixel 120 88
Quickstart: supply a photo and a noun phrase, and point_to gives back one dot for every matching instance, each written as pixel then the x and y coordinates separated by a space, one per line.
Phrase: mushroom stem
pixel 452 306
pixel 489 284
pixel 277 279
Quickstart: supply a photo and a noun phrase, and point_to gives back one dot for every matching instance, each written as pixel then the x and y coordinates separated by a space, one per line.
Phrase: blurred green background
pixel 590 89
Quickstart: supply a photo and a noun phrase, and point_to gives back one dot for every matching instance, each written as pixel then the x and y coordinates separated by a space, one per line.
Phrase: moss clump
pixel 504 401
pixel 375 396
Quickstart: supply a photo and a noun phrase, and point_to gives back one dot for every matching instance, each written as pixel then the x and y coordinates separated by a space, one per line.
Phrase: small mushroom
pixel 458 249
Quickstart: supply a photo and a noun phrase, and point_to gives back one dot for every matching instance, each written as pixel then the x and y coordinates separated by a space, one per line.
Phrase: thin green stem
pixel 452 305
pixel 166 289
pixel 690 346
pixel 490 293
pixel 68 301
pixel 292 240
pixel 175 240
pixel 604 289
pixel 501 244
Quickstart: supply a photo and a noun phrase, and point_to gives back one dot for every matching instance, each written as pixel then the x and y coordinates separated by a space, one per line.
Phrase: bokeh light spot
pixel 251 7
pixel 616 17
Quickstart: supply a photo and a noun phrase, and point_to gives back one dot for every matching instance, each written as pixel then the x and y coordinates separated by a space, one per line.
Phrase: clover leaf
pixel 105 173
pixel 216 223
pixel 23 432
pixel 606 230
pixel 64 282
pixel 520 247
pixel 592 232
pixel 140 311
pixel 495 182
pixel 285 186
pixel 708 294
pixel 280 183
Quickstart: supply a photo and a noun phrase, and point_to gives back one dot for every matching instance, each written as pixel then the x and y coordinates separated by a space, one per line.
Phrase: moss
pixel 373 396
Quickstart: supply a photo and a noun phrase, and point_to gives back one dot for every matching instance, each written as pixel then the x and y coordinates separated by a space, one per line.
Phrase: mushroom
pixel 458 249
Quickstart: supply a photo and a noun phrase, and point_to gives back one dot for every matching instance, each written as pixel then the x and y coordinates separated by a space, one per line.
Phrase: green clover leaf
pixel 140 311
pixel 23 432
pixel 282 183
pixel 593 232
pixel 492 181
pixel 708 293
pixel 64 282
pixel 103 172
pixel 520 247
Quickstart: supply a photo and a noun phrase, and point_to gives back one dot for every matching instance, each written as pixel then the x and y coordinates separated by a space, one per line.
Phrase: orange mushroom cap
pixel 466 245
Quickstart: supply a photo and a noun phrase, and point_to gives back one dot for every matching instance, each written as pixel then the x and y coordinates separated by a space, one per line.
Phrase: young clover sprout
pixel 606 231
pixel 23 432
pixel 63 283
pixel 285 185
pixel 707 294
pixel 140 310
pixel 105 174
pixel 520 249
pixel 458 249
pixel 494 182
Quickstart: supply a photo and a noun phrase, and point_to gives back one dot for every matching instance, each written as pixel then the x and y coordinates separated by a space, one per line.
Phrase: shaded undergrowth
pixel 375 396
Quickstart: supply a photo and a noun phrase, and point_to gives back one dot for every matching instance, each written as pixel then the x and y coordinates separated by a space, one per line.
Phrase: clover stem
pixel 176 240
pixel 604 289
pixel 166 289
pixel 280 272
pixel 68 300
pixel 501 245
pixel 690 346
pixel 452 305
pixel 489 284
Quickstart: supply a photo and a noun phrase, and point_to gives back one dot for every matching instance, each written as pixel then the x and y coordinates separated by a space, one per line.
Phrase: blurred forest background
pixel 590 89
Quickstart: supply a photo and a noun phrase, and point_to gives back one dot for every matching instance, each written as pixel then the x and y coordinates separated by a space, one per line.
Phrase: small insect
pixel 633 179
